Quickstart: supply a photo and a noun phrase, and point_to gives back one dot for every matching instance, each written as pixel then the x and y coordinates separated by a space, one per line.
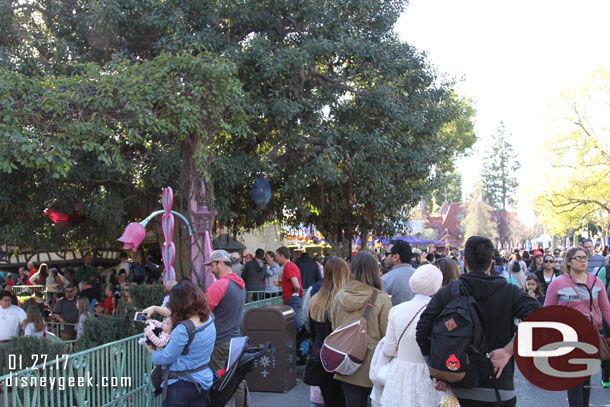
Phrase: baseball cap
pixel 248 256
pixel 219 255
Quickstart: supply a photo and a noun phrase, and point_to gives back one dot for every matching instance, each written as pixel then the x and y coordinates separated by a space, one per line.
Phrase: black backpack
pixel 458 348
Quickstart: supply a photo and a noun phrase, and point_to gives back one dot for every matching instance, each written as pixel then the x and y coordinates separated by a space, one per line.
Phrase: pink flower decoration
pixel 133 236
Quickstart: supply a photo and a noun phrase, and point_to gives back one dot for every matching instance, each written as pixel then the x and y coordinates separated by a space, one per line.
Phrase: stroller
pixel 240 362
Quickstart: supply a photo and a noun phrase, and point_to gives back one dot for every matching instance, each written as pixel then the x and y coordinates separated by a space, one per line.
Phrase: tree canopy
pixel 106 102
pixel 577 192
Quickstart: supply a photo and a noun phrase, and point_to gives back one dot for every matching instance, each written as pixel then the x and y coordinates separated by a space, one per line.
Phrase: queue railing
pixel 114 374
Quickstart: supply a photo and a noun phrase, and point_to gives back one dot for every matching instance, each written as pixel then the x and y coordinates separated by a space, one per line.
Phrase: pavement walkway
pixel 528 395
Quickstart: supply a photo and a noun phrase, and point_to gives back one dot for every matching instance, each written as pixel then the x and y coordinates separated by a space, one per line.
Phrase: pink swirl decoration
pixel 168 251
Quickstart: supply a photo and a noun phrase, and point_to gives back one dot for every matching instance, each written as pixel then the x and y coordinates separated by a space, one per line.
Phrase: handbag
pixel 604 346
pixel 344 350
pixel 314 372
pixel 381 363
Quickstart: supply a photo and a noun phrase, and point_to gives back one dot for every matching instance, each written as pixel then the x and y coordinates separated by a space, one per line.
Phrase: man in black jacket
pixel 501 304
pixel 254 274
pixel 310 271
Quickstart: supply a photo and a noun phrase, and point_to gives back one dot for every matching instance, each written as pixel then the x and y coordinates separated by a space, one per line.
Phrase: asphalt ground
pixel 528 395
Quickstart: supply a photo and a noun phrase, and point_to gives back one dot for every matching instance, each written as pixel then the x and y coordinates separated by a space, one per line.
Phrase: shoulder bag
pixel 604 346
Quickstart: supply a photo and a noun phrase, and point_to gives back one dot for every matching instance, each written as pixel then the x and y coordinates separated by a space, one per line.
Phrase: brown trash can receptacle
pixel 277 370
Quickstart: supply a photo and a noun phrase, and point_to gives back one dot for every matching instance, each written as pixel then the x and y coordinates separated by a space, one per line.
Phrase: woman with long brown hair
pixel 190 378
pixel 348 305
pixel 336 276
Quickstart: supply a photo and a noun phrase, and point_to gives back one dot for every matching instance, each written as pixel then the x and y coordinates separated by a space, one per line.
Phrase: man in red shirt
pixel 291 283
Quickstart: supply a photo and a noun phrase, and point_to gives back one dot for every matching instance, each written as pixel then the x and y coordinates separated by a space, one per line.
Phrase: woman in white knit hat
pixel 408 381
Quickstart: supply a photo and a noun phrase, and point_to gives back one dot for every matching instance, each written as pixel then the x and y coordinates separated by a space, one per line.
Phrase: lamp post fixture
pixel 135 233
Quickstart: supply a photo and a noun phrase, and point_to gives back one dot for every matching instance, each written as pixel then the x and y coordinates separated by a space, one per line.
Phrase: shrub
pixel 106 329
pixel 145 295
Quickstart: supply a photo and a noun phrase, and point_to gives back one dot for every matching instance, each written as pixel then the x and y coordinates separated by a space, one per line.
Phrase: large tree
pixel 346 122
pixel 577 192
pixel 499 167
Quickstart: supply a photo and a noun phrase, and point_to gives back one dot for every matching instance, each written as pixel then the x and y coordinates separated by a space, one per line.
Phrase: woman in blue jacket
pixel 189 378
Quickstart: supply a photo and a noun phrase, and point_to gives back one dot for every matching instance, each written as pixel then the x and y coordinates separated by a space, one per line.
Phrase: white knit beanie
pixel 426 280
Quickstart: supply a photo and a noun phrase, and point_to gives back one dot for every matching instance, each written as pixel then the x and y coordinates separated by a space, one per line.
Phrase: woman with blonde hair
pixel 336 276
pixel 349 305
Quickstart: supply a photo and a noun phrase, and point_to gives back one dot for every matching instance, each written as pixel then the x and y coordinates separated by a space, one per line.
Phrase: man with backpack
pixel 491 304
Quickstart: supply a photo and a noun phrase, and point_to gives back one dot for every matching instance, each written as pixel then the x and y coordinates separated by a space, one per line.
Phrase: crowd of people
pixel 404 294
pixel 57 302
pixel 401 292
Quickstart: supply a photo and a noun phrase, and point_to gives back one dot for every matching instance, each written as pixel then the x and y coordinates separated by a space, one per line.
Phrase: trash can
pixel 276 371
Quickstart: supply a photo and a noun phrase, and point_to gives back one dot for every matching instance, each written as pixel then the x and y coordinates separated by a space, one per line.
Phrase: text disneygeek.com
pixel 53 381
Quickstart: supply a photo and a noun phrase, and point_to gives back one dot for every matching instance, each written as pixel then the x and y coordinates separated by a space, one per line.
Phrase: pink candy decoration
pixel 133 236
pixel 168 251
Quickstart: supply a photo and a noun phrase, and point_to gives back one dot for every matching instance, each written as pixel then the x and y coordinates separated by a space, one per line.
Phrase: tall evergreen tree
pixel 499 167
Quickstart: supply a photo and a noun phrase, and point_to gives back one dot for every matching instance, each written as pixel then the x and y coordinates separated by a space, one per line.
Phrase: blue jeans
pixel 185 394
pixel 295 303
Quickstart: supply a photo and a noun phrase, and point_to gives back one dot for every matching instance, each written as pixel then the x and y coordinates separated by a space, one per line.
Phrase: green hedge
pixel 106 329
pixel 145 295
pixel 26 346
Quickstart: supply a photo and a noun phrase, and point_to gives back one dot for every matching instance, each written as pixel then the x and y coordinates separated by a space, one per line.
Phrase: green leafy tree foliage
pixel 499 167
pixel 346 122
pixel 577 192
pixel 102 142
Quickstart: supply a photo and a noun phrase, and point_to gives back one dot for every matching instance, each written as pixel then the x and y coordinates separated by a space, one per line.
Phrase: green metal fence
pixel 115 374
pixel 277 300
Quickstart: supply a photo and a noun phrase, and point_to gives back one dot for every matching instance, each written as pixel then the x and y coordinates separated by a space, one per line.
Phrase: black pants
pixel 332 393
pixel 185 394
pixel 355 396
pixel 579 395
pixel 606 363
pixel 475 403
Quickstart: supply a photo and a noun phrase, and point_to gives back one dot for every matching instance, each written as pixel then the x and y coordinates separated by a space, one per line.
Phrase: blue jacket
pixel 199 354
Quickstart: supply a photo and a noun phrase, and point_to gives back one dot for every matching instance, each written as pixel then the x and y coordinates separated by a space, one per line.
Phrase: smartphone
pixel 140 316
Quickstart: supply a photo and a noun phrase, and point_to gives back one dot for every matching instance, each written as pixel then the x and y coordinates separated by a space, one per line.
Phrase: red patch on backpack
pixel 452 363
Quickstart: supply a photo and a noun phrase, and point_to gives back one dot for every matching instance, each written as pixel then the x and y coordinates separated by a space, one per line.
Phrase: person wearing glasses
pixel 586 294
pixel 547 273
pixel 66 312
pixel 396 281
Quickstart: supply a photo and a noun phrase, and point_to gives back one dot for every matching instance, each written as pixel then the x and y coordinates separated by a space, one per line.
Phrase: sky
pixel 513 59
